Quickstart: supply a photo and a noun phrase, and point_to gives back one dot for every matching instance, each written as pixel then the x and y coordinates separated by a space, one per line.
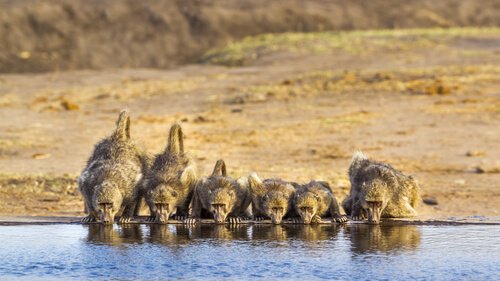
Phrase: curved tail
pixel 220 168
pixel 175 140
pixel 122 131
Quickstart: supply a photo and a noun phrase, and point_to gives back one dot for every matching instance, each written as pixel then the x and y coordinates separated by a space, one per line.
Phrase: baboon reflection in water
pixel 107 234
pixel 376 238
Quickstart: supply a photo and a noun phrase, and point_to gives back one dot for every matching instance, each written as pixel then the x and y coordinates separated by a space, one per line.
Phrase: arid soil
pixel 431 110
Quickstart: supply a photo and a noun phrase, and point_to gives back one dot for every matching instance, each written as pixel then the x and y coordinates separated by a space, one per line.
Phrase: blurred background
pixel 288 89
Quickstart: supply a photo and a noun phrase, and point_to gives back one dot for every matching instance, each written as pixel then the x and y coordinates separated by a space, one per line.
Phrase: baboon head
pixel 374 199
pixel 273 196
pixel 275 205
pixel 164 198
pixel 109 200
pixel 306 206
pixel 219 194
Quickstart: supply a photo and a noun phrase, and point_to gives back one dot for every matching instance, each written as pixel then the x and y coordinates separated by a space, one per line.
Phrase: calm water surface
pixel 361 252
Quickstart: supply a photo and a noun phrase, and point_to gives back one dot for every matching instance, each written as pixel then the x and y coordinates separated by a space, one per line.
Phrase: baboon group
pixel 120 174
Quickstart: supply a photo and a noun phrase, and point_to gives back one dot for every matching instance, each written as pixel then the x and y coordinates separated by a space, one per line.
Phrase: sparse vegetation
pixel 349 42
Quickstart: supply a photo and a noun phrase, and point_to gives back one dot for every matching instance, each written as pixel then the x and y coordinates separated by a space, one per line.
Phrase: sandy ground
pixel 432 112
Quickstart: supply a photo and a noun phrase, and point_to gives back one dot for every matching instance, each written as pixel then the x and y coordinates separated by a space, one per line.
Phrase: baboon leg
pixel 407 211
pixel 138 206
pixel 91 215
pixel 357 211
pixel 335 211
pixel 127 214
pixel 196 208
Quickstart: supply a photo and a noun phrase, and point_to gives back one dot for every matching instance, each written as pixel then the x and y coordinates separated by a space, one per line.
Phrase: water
pixel 361 252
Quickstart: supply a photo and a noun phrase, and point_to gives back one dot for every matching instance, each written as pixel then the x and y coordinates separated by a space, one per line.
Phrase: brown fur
pixel 379 191
pixel 221 195
pixel 169 184
pixel 113 174
pixel 271 198
pixel 315 200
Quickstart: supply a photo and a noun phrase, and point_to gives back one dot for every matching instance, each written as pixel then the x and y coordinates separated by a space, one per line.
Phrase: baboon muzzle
pixel 106 213
pixel 161 213
pixel 373 212
pixel 276 215
pixel 306 215
pixel 219 213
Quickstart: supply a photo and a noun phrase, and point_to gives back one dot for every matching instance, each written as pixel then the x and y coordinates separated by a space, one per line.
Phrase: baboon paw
pixel 259 219
pixel 295 220
pixel 316 219
pixel 356 218
pixel 179 218
pixel 234 220
pixel 190 221
pixel 151 219
pixel 341 219
pixel 124 219
pixel 88 219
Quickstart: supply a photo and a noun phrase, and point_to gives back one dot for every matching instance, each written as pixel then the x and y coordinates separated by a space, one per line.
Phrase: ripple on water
pixel 249 252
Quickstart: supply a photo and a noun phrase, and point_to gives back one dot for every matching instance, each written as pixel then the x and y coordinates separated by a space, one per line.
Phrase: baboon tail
pixel 220 168
pixel 175 140
pixel 122 131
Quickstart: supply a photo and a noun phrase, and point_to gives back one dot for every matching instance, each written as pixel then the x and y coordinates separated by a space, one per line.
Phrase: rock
pixel 430 201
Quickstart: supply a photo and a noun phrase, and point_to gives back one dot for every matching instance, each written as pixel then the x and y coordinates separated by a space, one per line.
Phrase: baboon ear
pixel 265 197
pixel 317 197
pixel 188 176
pixel 255 183
pixel 174 193
pixel 122 131
pixel 363 185
pixel 294 185
pixel 231 193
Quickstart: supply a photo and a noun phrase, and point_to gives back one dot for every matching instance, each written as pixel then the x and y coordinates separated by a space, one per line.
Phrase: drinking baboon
pixel 314 200
pixel 169 184
pixel 379 191
pixel 113 174
pixel 222 196
pixel 271 198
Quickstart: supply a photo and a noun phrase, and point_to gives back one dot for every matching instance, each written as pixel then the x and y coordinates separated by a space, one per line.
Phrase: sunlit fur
pixel 170 180
pixel 375 182
pixel 271 198
pixel 313 201
pixel 221 195
pixel 113 174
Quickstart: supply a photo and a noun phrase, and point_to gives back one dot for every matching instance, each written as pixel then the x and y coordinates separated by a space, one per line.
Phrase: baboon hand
pixel 180 218
pixel 259 218
pixel 233 220
pixel 356 218
pixel 340 219
pixel 89 219
pixel 124 219
pixel 295 220
pixel 151 219
pixel 191 221
pixel 316 219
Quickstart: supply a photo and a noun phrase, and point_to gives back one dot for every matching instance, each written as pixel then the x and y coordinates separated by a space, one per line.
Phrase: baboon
pixel 379 191
pixel 113 175
pixel 169 184
pixel 271 198
pixel 315 200
pixel 222 196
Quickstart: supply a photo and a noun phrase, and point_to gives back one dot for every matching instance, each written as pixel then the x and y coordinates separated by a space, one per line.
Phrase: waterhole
pixel 361 252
